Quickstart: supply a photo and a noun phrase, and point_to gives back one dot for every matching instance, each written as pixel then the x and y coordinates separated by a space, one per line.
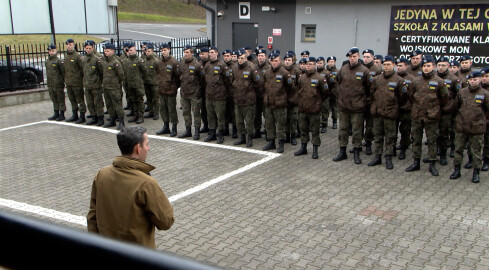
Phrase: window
pixel 309 33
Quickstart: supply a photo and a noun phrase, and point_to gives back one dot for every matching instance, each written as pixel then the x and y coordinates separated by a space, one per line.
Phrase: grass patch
pixel 138 17
pixel 170 8
pixel 42 39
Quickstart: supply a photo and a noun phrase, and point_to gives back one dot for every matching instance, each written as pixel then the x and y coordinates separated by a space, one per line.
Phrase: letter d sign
pixel 244 10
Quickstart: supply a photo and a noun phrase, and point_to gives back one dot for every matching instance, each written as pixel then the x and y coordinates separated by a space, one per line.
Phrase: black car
pixel 24 75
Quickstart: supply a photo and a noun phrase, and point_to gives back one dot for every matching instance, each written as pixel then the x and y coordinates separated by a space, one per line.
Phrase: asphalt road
pixel 158 32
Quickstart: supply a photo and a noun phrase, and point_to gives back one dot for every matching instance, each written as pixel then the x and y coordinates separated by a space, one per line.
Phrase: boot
pixel 128 107
pixel 212 136
pixel 452 151
pixel 131 113
pixel 220 136
pixel 394 151
pixel 140 119
pixel 270 145
pixel 121 124
pixel 196 133
pixel 165 129
pixel 187 133
pixel 132 120
pixel 388 162
pixel 235 132
pixel 146 109
pixel 414 167
pixel 353 150
pixel 249 141
pixel 433 169
pixel 74 117
pixel 456 172
pixel 485 165
pixel 287 137
pixel 341 155
pixel 111 123
pixel 368 148
pixel 90 116
pixel 402 154
pixel 356 156
pixel 226 130
pixel 468 165
pixel 54 116
pixel 148 115
pixel 475 176
pixel 61 116
pixel 335 124
pixel 81 119
pixel 443 157
pixel 376 161
pixel 280 148
pixel 257 134
pixel 242 140
pixel 93 121
pixel 323 128
pixel 293 141
pixel 100 121
pixel 302 150
pixel 205 128
pixel 173 132
pixel 315 152
pixel 156 116
pixel 106 112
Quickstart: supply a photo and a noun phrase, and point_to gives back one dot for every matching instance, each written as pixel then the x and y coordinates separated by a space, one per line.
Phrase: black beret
pixel 91 42
pixel 331 58
pixel 70 40
pixel 403 60
pixel 320 58
pixel 247 48
pixel 443 59
pixel 428 59
pixel 150 46
pixel 164 46
pixel 204 49
pixel 213 48
pixel 273 56
pixel 378 57
pixel 288 55
pixel 88 43
pixel 455 63
pixel 227 51
pixel 416 52
pixel 258 47
pixel 240 53
pixel 234 53
pixel 302 61
pixel 368 51
pixel 465 58
pixel 126 44
pixel 130 45
pixel 51 47
pixel 306 52
pixel 389 58
pixel 276 52
pixel 474 74
pixel 291 52
pixel 485 70
pixel 352 51
pixel 262 51
pixel 109 46
pixel 310 59
pixel 188 47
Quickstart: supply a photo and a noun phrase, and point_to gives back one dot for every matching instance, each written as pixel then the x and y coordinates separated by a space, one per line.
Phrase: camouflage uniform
pixel 135 71
pixel 168 83
pixel 73 67
pixel 92 81
pixel 191 96
pixel 113 79
pixel 151 85
pixel 55 82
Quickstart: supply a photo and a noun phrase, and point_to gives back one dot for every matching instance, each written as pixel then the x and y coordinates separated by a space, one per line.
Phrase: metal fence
pixel 23 66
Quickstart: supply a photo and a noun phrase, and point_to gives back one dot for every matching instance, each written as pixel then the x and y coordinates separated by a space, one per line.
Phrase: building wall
pixel 336 31
pixel 283 19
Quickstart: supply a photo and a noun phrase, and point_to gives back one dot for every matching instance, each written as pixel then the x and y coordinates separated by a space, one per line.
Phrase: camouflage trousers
pixel 275 122
pixel 355 119
pixel 168 108
pixel 292 118
pixel 152 97
pixel 216 114
pixel 310 123
pixel 191 106
pixel 475 148
pixel 57 95
pixel 333 107
pixel 445 127
pixel 431 130
pixel 325 112
pixel 95 101
pixel 259 112
pixel 369 125
pixel 136 98
pixel 113 100
pixel 230 112
pixel 245 117
pixel 384 132
pixel 404 121
pixel 486 142
pixel 77 98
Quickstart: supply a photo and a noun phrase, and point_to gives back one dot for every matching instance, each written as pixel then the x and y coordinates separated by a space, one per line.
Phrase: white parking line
pixel 81 220
pixel 144 33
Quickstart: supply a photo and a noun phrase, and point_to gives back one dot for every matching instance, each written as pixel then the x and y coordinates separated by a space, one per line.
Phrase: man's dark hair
pixel 128 137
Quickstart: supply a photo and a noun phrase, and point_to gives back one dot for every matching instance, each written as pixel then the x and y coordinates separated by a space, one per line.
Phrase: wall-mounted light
pixel 220 14
pixel 268 9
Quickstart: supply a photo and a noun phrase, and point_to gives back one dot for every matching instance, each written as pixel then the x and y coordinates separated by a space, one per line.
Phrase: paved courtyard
pixel 241 208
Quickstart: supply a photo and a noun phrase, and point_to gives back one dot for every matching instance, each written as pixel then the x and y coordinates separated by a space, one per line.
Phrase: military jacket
pixel 387 91
pixel 405 104
pixel 230 91
pixel 415 71
pixel 93 71
pixel 151 63
pixel 293 88
pixel 246 81
pixel 168 78
pixel 313 89
pixel 354 83
pixel 276 82
pixel 217 77
pixel 113 73
pixel 429 94
pixel 73 67
pixel 486 87
pixel 463 76
pixel 472 104
pixel 190 78
pixel 332 82
pixel 54 72
pixel 134 70
pixel 261 69
pixel 454 85
pixel 373 69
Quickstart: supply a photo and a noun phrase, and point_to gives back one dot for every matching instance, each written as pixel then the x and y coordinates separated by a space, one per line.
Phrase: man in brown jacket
pixel 416 68
pixel 126 202
pixel 472 103
pixel 368 135
pixel 291 125
pixel 262 65
pixel 404 119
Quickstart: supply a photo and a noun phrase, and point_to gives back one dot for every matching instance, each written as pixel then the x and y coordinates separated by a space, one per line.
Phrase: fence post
pixel 9 68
